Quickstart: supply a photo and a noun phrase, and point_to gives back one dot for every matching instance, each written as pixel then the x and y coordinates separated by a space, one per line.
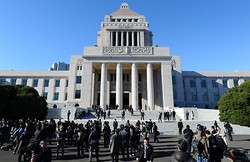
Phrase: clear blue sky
pixel 207 34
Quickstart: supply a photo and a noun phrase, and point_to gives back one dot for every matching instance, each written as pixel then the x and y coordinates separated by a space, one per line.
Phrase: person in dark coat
pixel 42 153
pixel 115 125
pixel 188 134
pixel 94 138
pixel 180 126
pixel 145 152
pixel 106 133
pixel 115 145
pixel 181 154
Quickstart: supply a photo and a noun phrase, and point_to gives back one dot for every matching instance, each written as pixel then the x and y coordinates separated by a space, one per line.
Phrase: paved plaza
pixel 167 145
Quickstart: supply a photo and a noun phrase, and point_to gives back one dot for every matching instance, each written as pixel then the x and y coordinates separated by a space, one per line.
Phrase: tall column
pixel 103 93
pixel 133 38
pixel 111 38
pixel 122 44
pixel 127 38
pixel 119 89
pixel 150 86
pixel 167 85
pixel 116 39
pixel 134 86
pixel 138 39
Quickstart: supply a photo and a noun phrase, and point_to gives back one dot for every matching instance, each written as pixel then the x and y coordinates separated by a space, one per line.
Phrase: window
pixel 66 96
pixel 57 83
pixel 203 83
pixel 192 83
pixel 67 83
pixel 139 77
pixel 78 79
pixel 78 94
pixel 112 77
pixel 236 83
pixel 2 81
pixel 214 83
pixel 99 77
pixel 45 95
pixel 79 67
pixel 24 82
pixel 194 96
pixel 56 96
pixel 204 96
pixel 126 77
pixel 13 82
pixel 35 82
pixel 216 96
pixel 224 83
pixel 46 83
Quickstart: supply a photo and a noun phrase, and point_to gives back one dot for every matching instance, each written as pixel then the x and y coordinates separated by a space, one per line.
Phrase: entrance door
pixel 140 100
pixel 125 100
pixel 112 100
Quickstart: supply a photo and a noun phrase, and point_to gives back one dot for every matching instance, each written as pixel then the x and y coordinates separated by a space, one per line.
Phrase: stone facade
pixel 125 68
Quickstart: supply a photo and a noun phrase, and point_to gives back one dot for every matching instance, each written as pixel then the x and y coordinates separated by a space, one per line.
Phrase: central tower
pixel 124 27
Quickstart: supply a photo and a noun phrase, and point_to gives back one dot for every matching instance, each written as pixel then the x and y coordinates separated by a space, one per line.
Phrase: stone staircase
pixel 202 116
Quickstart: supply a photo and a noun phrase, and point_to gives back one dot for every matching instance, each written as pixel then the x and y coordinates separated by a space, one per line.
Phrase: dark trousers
pixel 79 145
pixel 91 150
pixel 114 157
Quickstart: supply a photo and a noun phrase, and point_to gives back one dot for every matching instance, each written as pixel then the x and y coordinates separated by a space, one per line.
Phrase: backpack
pixel 197 146
pixel 221 143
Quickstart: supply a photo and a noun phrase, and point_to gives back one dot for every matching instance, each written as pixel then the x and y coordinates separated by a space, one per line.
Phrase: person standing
pixel 174 113
pixel 115 125
pixel 145 152
pixel 229 130
pixel 94 138
pixel 188 135
pixel 142 115
pixel 68 114
pixel 41 153
pixel 180 126
pixel 106 133
pixel 181 154
pixel 215 153
pixel 115 145
pixel 156 132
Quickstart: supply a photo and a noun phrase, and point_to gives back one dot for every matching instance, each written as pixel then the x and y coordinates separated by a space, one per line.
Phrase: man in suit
pixel 115 145
pixel 145 152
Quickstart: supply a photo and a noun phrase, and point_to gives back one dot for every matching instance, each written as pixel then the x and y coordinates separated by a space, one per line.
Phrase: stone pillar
pixel 122 44
pixel 133 38
pixel 138 39
pixel 150 86
pixel 116 39
pixel 134 86
pixel 103 88
pixel 111 38
pixel 119 89
pixel 167 86
pixel 127 38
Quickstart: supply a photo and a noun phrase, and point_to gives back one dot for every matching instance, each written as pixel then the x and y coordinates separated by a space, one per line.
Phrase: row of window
pixel 125 77
pixel 35 82
pixel 214 83
pixel 56 95
pixel 204 96
pixel 124 20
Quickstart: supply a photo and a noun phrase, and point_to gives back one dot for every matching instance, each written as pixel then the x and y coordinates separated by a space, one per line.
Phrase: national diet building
pixel 123 69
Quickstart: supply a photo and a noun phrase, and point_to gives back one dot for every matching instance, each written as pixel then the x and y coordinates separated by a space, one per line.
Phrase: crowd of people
pixel 30 138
